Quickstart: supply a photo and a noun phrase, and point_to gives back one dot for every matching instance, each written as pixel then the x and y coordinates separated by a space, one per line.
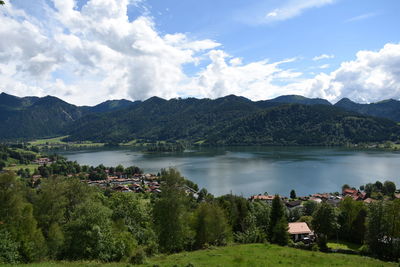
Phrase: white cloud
pixel 371 77
pixel 323 56
pixel 363 17
pixel 325 66
pixel 96 54
pixel 293 8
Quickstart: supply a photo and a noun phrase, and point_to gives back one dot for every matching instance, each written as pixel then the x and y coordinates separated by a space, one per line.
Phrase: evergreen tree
pixel 277 222
pixel 292 194
pixel 280 234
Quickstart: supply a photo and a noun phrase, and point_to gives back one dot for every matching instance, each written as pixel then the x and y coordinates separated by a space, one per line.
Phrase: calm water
pixel 253 170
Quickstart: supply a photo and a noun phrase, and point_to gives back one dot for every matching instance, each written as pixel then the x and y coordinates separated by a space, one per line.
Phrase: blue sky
pixel 88 51
pixel 341 28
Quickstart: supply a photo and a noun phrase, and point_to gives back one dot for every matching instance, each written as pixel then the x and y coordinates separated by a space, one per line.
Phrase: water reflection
pixel 253 170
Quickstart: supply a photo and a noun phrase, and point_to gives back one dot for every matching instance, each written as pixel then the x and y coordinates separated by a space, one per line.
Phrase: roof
pixel 299 228
pixel 348 191
pixel 263 197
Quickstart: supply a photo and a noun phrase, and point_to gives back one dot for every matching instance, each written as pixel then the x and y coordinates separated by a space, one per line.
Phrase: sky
pixel 89 51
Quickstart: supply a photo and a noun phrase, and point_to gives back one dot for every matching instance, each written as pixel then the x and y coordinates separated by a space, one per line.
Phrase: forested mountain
pixel 229 120
pixel 305 125
pixel 389 109
pixel 35 117
pixel 298 99
pixel 32 117
pixel 111 105
pixel 234 120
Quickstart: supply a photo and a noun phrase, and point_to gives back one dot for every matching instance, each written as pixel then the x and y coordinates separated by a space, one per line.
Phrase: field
pixel 242 255
pixel 343 245
pixel 57 142
pixel 15 168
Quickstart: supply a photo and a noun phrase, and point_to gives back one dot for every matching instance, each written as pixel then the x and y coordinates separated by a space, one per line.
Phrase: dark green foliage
pixel 130 211
pixel 237 209
pixel 389 188
pixel 309 207
pixel 292 194
pixel 89 233
pixel 351 219
pixel 389 109
pixel 8 248
pixel 383 229
pixel 277 228
pixel 210 226
pixel 170 213
pixel 280 233
pixel 323 223
pixel 230 120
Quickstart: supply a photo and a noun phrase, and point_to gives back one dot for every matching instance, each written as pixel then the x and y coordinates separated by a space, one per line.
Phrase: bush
pixel 314 247
pixel 8 248
pixel 138 257
pixel 364 250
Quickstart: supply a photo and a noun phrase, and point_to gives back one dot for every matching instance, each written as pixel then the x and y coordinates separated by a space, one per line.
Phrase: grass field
pixel 15 168
pixel 242 255
pixel 343 245
pixel 57 141
pixel 49 141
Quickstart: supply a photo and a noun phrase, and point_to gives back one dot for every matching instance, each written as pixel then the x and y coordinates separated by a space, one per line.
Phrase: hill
pixel 234 121
pixel 389 109
pixel 229 120
pixel 242 255
pixel 35 117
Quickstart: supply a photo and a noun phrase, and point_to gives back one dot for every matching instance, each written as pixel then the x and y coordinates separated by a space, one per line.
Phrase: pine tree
pixel 277 228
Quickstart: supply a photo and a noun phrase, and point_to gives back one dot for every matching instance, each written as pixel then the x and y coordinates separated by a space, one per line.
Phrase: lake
pixel 253 170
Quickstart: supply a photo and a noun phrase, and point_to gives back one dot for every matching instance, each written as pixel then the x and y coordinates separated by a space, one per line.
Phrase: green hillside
pixel 251 255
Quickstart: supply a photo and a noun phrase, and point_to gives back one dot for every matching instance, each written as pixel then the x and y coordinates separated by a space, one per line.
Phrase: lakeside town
pixel 127 182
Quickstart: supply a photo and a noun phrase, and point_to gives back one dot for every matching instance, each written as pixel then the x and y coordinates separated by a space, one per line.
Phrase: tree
pixel 88 234
pixel 119 168
pixel 351 220
pixel 8 248
pixel 375 227
pixel 378 186
pixel 309 207
pixel 170 213
pixel 16 215
pixel 277 222
pixel 280 232
pixel 292 194
pixel 323 223
pixel 345 186
pixel 389 188
pixel 2 2
pixel 134 213
pixel 210 226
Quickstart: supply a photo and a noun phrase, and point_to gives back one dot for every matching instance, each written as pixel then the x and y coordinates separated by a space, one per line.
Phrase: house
pixel 334 202
pixel 315 199
pixel 263 198
pixel 293 204
pixel 42 161
pixel 300 231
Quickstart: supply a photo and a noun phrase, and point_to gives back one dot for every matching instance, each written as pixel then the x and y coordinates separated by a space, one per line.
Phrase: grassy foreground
pixel 243 255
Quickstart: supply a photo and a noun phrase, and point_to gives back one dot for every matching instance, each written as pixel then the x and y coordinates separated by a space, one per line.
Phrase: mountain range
pixel 229 120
